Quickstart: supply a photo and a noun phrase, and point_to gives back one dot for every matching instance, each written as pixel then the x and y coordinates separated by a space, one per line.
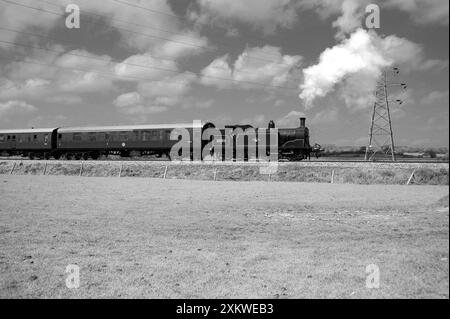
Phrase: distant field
pixel 155 238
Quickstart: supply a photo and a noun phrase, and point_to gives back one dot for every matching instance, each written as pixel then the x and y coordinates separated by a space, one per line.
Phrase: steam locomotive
pixel 133 141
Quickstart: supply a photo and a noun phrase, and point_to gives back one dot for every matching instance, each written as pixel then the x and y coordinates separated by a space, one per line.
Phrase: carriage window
pixel 29 139
pixel 9 137
pixel 107 137
pixel 156 135
pixel 123 136
pixel 76 136
pixel 35 137
pixel 60 136
pixel 20 139
pixel 13 138
pixel 2 138
pixel 146 136
pixel 92 137
pixel 45 138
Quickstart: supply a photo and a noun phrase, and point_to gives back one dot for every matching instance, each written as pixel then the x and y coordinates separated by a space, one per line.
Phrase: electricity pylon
pixel 381 137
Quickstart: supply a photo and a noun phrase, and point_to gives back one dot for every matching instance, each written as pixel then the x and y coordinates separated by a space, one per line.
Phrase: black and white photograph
pixel 228 156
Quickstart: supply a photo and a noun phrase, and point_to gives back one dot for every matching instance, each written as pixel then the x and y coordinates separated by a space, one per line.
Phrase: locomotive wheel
pixel 68 156
pixel 30 156
pixel 85 156
pixel 46 156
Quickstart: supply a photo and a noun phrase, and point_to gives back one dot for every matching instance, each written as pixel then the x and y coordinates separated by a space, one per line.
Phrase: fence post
pixel 81 169
pixel 12 169
pixel 45 168
pixel 332 176
pixel 411 177
pixel 120 171
pixel 215 174
pixel 165 172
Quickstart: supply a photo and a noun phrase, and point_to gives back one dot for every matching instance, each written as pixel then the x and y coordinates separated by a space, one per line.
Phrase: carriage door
pixel 107 140
pixel 46 140
pixel 54 139
pixel 13 142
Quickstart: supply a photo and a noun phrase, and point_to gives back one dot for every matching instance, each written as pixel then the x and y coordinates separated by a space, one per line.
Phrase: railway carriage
pixel 85 142
pixel 39 143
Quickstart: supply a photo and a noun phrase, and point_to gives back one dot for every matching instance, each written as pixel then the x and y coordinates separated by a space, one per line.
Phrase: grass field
pixel 155 238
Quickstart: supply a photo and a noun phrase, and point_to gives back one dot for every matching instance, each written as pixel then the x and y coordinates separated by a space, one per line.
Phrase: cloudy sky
pixel 226 61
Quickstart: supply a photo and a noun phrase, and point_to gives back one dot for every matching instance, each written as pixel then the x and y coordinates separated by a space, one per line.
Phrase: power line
pixel 147 9
pixel 137 65
pixel 207 48
pixel 59 40
pixel 96 22
pixel 123 21
pixel 171 15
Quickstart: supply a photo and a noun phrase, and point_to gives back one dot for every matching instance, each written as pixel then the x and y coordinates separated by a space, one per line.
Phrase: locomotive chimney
pixel 302 122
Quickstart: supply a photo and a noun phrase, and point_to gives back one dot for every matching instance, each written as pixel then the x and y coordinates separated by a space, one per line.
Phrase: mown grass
pixel 154 238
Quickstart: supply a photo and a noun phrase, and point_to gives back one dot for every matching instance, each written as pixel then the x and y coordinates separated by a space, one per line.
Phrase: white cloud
pixel 84 82
pixel 218 73
pixel 128 99
pixel 31 88
pixel 78 73
pixel 248 67
pixel 157 96
pixel 15 106
pixel 153 68
pixel 180 45
pixel 170 86
pixel 81 59
pixel 135 105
